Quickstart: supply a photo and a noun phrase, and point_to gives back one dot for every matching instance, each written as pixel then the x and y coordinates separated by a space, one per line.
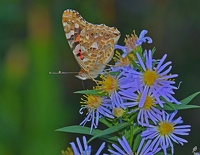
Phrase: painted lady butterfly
pixel 92 45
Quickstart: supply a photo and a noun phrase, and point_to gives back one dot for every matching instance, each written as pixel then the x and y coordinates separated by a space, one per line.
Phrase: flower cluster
pixel 135 99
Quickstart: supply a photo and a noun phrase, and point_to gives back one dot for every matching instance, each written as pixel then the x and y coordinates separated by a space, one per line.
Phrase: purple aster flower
pixel 132 42
pixel 112 84
pixel 156 76
pixel 84 149
pixel 97 107
pixel 165 131
pixel 126 149
pixel 144 102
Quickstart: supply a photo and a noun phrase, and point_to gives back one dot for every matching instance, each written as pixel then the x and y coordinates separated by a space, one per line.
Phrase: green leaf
pixel 86 131
pixel 137 142
pixel 169 106
pixel 138 49
pixel 153 51
pixel 114 73
pixel 110 130
pixel 137 129
pixel 189 98
pixel 91 92
pixel 78 129
pixel 105 122
pixel 183 105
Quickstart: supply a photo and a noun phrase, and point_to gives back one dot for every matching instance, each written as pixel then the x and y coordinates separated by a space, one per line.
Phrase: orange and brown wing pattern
pixel 73 24
pixel 92 45
pixel 97 46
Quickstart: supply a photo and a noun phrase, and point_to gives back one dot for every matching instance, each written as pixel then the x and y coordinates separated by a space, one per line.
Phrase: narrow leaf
pixel 114 73
pixel 136 142
pixel 91 92
pixel 110 130
pixel 79 129
pixel 189 98
pixel 86 131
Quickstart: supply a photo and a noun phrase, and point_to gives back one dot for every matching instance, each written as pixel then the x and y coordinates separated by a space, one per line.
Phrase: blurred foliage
pixel 33 104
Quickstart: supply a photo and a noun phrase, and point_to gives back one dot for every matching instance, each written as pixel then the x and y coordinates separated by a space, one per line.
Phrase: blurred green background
pixel 33 104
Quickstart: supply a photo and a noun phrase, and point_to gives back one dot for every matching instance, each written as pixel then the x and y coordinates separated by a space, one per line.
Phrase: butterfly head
pixel 83 75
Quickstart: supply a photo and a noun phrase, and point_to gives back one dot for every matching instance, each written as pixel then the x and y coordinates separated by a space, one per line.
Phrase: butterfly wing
pixel 97 46
pixel 73 24
pixel 92 45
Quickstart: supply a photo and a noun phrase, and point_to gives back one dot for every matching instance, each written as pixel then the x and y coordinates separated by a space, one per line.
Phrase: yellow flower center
pixel 92 101
pixel 109 84
pixel 148 103
pixel 68 151
pixel 165 128
pixel 123 61
pixel 150 77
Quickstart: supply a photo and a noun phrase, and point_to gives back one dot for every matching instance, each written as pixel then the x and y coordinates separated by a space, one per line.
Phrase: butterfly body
pixel 92 45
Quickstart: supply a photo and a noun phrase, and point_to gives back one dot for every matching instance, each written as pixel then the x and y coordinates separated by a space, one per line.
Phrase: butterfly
pixel 92 44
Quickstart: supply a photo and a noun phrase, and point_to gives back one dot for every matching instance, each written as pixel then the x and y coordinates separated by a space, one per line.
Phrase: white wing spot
pixel 76 25
pixel 64 23
pixel 95 45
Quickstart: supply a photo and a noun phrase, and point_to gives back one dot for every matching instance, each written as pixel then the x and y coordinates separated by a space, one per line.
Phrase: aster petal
pixel 166 71
pixel 100 148
pixel 84 143
pixel 123 48
pixel 182 126
pixel 118 149
pixel 126 145
pixel 170 143
pixel 79 144
pixel 163 67
pixel 92 123
pixel 178 139
pixel 161 62
pixel 97 117
pixel 86 119
pixel 149 60
pixel 74 148
pixel 141 62
pixel 155 143
pixel 172 116
pixel 85 150
pixel 181 131
pixel 114 152
pixel 143 97
pixel 143 39
pixel 169 77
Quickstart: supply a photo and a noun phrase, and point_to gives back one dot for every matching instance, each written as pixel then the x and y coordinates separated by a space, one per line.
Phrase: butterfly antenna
pixel 60 72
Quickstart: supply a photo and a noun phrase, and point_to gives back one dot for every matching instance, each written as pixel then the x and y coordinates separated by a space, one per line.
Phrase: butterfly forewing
pixel 73 24
pixel 92 45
